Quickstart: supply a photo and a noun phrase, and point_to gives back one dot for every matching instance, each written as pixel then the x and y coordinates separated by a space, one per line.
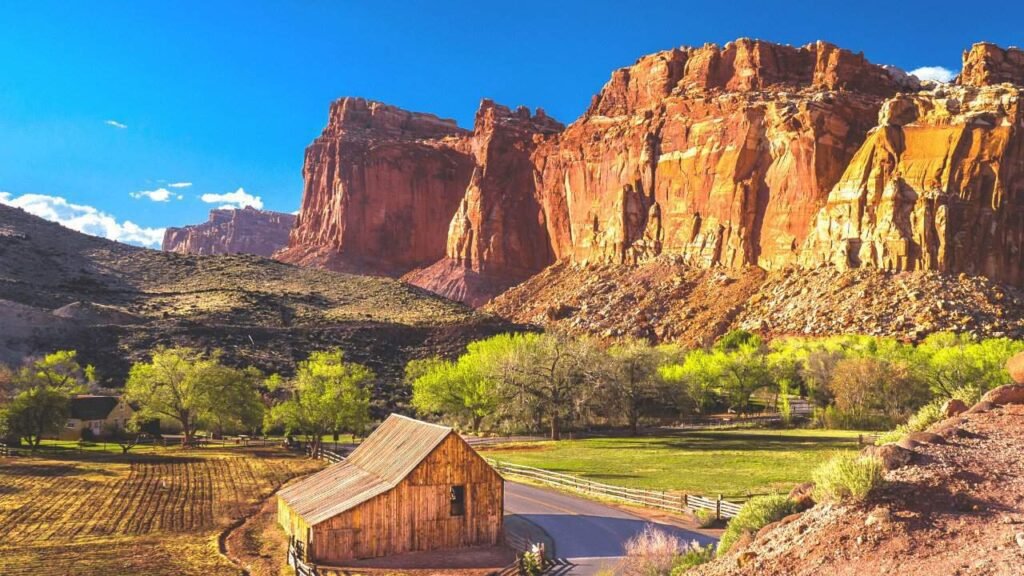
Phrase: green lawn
pixel 729 462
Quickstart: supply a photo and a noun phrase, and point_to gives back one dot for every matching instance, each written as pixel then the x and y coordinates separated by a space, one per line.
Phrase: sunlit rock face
pixel 232 231
pixel 938 184
pixel 747 154
pixel 381 185
pixel 719 154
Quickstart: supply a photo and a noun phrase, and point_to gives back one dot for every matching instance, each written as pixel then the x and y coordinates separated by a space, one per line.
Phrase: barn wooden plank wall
pixel 415 515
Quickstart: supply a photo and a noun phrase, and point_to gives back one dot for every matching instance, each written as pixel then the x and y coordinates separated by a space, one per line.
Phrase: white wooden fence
pixel 662 500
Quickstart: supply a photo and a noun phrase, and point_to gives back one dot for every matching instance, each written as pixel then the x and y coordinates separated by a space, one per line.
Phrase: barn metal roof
pixel 379 464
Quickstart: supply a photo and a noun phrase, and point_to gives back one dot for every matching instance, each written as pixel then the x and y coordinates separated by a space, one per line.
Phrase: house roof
pixel 379 464
pixel 93 407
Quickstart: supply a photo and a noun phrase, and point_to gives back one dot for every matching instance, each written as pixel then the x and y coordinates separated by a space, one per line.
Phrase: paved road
pixel 587 534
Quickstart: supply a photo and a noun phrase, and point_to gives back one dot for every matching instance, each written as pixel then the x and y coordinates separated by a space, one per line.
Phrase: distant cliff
pixel 231 231
pixel 748 154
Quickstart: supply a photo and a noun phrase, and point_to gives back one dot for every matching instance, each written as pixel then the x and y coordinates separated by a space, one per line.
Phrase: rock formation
pixel 497 237
pixel 748 154
pixel 381 185
pixel 230 231
pixel 939 184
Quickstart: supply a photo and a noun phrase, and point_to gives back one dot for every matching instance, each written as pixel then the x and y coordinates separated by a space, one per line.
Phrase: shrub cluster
pixel 847 477
pixel 757 513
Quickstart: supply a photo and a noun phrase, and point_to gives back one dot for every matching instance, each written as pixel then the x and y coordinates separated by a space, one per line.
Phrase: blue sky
pixel 105 99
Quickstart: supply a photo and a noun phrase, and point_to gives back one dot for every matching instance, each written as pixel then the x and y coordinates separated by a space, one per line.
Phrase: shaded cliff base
pixel 955 509
pixel 667 301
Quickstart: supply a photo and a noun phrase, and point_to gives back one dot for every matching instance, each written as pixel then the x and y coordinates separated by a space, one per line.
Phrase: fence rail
pixel 298 564
pixel 662 500
pixel 6 451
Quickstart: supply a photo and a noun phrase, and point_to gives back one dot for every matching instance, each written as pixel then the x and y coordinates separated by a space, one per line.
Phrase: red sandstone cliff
pixel 750 153
pixel 497 237
pixel 228 231
pixel 381 185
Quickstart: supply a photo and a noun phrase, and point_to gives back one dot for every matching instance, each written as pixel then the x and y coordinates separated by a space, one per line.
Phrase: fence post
pixel 718 508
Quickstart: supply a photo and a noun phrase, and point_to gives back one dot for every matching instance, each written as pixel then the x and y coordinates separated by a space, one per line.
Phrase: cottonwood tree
pixel 630 383
pixel 326 395
pixel 190 388
pixel 42 394
pixel 463 390
pixel 549 375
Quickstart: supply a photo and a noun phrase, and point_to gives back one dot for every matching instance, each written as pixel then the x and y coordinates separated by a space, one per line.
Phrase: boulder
pixel 802 495
pixel 954 407
pixel 1015 366
pixel 983 406
pixel 926 438
pixel 892 456
pixel 1009 394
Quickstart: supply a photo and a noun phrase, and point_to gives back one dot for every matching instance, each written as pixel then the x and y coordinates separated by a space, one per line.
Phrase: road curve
pixel 588 535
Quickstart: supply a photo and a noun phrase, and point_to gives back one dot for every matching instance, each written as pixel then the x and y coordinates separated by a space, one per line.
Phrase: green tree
pixel 192 389
pixel 631 383
pixel 958 365
pixel 37 411
pixel 463 390
pixel 42 393
pixel 326 395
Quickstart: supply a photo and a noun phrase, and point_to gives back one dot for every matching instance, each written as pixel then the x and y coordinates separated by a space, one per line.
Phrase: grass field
pixel 156 514
pixel 728 462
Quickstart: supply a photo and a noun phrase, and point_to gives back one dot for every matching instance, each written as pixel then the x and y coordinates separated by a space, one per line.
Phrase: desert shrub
pixel 834 418
pixel 705 518
pixel 695 555
pixel 653 552
pixel 757 513
pixel 928 414
pixel 847 477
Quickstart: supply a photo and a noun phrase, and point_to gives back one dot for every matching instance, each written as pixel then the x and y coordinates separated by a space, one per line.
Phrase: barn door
pixel 339 545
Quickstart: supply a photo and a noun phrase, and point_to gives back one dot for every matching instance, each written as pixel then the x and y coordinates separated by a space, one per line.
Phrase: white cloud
pixel 85 219
pixel 934 73
pixel 237 199
pixel 158 195
pixel 115 124
pixel 179 184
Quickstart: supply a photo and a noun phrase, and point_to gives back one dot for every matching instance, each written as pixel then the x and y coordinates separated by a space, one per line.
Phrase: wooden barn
pixel 411 486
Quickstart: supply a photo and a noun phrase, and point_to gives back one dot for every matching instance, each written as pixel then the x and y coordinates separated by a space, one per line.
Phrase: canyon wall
pixel 381 185
pixel 230 231
pixel 748 154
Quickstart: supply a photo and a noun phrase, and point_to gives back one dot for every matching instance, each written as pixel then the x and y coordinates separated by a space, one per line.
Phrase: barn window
pixel 458 500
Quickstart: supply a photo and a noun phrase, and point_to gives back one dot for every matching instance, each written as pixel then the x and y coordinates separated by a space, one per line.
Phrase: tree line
pixel 191 391
pixel 535 382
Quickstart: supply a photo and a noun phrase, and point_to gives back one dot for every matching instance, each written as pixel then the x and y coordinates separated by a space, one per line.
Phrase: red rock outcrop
pixel 381 185
pixel 230 231
pixel 720 154
pixel 497 237
pixel 938 185
pixel 987 64
pixel 746 154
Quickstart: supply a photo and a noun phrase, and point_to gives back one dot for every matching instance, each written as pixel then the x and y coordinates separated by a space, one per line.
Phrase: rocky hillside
pixel 953 504
pixel 748 154
pixel 667 300
pixel 233 231
pixel 113 303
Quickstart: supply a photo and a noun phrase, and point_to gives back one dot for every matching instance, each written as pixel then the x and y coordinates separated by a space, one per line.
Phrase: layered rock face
pixel 720 154
pixel 939 184
pixel 497 237
pixel 229 231
pixel 381 185
pixel 748 154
